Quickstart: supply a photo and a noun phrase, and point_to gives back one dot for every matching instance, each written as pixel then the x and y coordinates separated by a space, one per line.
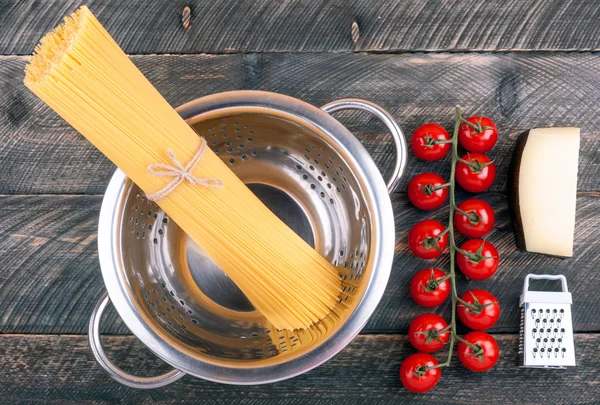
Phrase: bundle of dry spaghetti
pixel 82 74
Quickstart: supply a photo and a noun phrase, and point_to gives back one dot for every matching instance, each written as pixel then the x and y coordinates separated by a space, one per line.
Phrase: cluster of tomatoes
pixel 476 258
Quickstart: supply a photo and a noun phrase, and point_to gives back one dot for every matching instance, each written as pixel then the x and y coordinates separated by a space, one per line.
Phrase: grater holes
pixel 231 161
pixel 305 177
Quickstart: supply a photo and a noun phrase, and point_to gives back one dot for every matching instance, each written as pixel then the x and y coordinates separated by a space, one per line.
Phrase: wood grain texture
pixel 40 153
pixel 142 27
pixel 50 277
pixel 61 369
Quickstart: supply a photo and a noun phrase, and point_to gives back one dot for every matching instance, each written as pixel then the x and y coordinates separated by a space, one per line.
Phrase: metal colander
pixel 315 176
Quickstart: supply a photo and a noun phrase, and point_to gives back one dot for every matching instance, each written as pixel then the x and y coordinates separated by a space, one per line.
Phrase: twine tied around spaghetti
pixel 180 173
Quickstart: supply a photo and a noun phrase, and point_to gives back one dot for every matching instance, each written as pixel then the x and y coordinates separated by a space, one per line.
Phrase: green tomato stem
pixel 453 335
pixel 453 249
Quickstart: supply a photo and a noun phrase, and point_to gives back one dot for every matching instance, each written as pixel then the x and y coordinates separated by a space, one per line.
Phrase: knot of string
pixel 180 173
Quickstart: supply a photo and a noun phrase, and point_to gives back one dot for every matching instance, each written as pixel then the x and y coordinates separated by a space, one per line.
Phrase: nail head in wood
pixel 186 17
pixel 355 32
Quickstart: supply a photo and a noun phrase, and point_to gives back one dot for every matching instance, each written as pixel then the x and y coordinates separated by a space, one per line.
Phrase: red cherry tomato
pixel 476 176
pixel 480 219
pixel 478 259
pixel 416 375
pixel 425 142
pixel 482 356
pixel 425 333
pixel 480 137
pixel 483 310
pixel 427 239
pixel 425 191
pixel 429 288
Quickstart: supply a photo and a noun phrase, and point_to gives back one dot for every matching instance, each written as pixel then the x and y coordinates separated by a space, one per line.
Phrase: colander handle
pixel 390 123
pixel 121 376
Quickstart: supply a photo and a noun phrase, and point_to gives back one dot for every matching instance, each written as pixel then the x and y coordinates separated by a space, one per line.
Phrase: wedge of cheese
pixel 542 190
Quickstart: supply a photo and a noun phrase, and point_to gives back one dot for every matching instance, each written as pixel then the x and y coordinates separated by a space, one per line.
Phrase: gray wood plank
pixel 50 277
pixel 143 27
pixel 60 369
pixel 40 153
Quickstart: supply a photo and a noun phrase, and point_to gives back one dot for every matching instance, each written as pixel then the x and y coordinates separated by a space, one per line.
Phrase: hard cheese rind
pixel 544 190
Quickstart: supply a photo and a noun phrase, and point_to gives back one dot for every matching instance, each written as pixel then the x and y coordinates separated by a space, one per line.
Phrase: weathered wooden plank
pixel 60 369
pixel 41 154
pixel 50 277
pixel 259 26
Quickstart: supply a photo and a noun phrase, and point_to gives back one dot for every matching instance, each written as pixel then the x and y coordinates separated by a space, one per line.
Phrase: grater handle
pixel 121 376
pixel 560 277
pixel 390 123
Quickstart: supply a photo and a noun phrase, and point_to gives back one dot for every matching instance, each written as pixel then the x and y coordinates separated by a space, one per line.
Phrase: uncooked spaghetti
pixel 81 73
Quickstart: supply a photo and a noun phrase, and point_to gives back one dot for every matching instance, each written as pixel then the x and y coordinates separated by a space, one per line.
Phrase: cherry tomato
pixel 477 259
pixel 425 142
pixel 480 137
pixel 427 239
pixel 425 191
pixel 415 374
pixel 482 356
pixel 483 311
pixel 429 288
pixel 480 219
pixel 476 176
pixel 425 333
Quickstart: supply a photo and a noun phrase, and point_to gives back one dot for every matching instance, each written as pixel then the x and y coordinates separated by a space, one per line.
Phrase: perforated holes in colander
pixel 233 145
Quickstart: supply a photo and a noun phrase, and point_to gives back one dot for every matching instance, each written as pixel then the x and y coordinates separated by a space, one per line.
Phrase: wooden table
pixel 527 63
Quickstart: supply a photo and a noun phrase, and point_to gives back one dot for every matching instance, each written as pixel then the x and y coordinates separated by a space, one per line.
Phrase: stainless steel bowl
pixel 316 177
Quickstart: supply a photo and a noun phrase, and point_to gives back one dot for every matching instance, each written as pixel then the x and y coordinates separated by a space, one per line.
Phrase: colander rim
pixel 384 233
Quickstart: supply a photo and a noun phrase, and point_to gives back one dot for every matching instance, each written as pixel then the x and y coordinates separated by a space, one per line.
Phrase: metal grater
pixel 546 326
